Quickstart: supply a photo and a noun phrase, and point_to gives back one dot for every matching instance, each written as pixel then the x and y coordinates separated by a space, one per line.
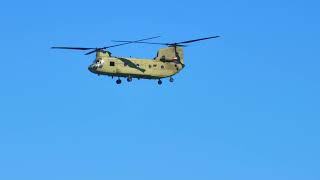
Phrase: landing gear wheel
pixel 118 81
pixel 171 79
pixel 129 79
pixel 159 82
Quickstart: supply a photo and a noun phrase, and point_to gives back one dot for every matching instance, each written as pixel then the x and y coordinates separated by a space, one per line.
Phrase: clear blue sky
pixel 245 107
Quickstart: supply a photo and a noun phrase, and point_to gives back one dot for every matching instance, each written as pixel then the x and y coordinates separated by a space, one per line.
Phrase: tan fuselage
pixel 133 67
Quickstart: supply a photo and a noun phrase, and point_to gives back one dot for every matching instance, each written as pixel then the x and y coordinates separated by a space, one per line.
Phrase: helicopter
pixel 168 62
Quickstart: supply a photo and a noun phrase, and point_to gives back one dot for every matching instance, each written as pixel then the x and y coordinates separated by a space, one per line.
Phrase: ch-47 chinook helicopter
pixel 168 62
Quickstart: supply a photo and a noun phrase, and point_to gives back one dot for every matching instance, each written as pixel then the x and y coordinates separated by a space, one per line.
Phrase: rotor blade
pixel 191 41
pixel 73 48
pixel 171 44
pixel 165 44
pixel 107 47
pixel 130 42
pixel 93 51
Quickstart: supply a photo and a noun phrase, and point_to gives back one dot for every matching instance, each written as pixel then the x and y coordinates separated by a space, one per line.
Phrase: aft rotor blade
pixel 172 44
pixel 73 48
pixel 195 40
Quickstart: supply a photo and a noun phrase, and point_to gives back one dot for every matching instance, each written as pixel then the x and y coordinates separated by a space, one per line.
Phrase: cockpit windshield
pixel 97 63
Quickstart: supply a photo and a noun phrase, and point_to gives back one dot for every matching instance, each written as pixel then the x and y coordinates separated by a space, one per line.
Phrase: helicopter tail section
pixel 171 54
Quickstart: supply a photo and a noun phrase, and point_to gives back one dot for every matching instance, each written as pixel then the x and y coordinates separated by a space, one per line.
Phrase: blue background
pixel 245 107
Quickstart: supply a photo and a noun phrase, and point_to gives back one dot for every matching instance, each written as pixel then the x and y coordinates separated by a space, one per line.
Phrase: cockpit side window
pixel 97 60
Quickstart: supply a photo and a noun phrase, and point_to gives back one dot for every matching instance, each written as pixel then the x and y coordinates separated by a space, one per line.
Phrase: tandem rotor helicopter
pixel 168 62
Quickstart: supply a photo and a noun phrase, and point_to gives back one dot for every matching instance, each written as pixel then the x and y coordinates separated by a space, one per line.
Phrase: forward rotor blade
pixel 202 39
pixel 95 50
pixel 73 48
pixel 165 44
pixel 122 44
pixel 129 42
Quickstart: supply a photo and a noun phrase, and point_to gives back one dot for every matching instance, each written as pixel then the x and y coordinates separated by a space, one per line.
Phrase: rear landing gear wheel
pixel 171 79
pixel 159 82
pixel 129 79
pixel 118 81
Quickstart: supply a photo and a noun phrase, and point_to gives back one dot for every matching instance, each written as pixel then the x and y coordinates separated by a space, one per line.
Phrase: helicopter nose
pixel 91 68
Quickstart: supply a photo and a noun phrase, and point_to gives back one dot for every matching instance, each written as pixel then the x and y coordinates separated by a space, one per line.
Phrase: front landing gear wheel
pixel 159 82
pixel 129 79
pixel 171 79
pixel 118 81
